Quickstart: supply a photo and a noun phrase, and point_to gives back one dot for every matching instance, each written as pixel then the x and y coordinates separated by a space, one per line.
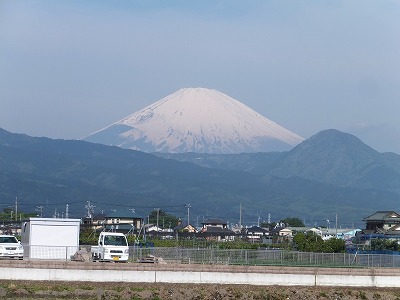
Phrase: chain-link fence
pixel 263 257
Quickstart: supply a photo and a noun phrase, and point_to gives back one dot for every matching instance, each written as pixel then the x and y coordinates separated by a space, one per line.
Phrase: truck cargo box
pixel 50 238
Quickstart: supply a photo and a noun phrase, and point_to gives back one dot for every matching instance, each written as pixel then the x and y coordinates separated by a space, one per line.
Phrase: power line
pixel 125 205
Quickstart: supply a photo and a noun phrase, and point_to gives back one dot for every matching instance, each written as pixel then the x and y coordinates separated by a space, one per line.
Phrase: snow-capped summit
pixel 197 120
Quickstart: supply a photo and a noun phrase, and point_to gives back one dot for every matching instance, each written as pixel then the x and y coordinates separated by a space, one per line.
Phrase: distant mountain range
pixel 197 120
pixel 330 173
pixel 331 157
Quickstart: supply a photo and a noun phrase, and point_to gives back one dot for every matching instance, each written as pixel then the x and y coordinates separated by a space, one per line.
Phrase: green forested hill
pixel 330 157
pixel 53 173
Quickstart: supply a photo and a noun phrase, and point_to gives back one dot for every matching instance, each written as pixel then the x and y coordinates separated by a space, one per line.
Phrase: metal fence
pixel 49 252
pixel 265 257
pixel 244 257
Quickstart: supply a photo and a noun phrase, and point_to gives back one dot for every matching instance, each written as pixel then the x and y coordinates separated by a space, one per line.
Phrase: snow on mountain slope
pixel 197 120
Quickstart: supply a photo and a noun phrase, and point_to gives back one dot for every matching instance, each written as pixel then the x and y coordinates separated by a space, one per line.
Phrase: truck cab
pixel 111 246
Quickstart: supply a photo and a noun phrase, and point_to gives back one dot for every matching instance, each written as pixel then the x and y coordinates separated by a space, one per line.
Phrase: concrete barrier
pixel 201 274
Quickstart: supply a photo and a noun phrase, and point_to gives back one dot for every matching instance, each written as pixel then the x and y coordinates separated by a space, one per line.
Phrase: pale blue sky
pixel 69 68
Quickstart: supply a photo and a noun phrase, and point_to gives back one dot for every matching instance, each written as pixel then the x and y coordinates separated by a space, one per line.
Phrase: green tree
pixel 293 222
pixel 165 220
pixel 8 214
pixel 308 242
pixel 289 221
pixel 334 245
pixel 311 242
pixel 385 244
pixel 267 225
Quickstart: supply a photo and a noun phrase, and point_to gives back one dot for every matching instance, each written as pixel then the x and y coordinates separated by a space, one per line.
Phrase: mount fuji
pixel 197 120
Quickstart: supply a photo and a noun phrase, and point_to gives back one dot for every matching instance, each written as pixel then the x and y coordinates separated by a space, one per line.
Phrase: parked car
pixel 10 247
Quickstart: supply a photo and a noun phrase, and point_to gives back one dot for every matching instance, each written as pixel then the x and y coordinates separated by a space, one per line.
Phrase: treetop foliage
pixel 165 220
pixel 311 242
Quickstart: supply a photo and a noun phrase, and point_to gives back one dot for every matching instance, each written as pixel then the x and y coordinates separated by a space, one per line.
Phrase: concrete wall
pixel 298 277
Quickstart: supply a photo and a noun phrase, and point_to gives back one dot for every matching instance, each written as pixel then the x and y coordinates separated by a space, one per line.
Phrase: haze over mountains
pixel 197 120
pixel 332 172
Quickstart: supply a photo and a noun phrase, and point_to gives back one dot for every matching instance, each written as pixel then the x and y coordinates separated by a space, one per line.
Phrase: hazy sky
pixel 69 68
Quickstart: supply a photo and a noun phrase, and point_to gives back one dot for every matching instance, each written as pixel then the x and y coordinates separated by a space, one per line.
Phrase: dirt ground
pixel 136 291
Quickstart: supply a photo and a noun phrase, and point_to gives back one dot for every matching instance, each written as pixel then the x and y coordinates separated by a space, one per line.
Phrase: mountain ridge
pixel 52 173
pixel 330 156
pixel 197 120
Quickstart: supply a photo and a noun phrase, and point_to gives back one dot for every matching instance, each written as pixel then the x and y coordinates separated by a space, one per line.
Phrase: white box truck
pixel 50 238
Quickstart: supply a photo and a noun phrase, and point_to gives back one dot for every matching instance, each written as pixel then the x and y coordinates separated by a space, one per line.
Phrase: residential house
pixel 280 234
pixel 380 225
pixel 184 228
pixel 124 221
pixel 94 221
pixel 152 228
pixel 381 222
pixel 216 229
pixel 257 234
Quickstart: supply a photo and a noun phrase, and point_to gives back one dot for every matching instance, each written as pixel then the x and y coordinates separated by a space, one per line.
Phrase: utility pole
pixel 188 213
pixel 158 212
pixel 336 224
pixel 40 209
pixel 16 208
pixel 240 216
pixel 90 209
